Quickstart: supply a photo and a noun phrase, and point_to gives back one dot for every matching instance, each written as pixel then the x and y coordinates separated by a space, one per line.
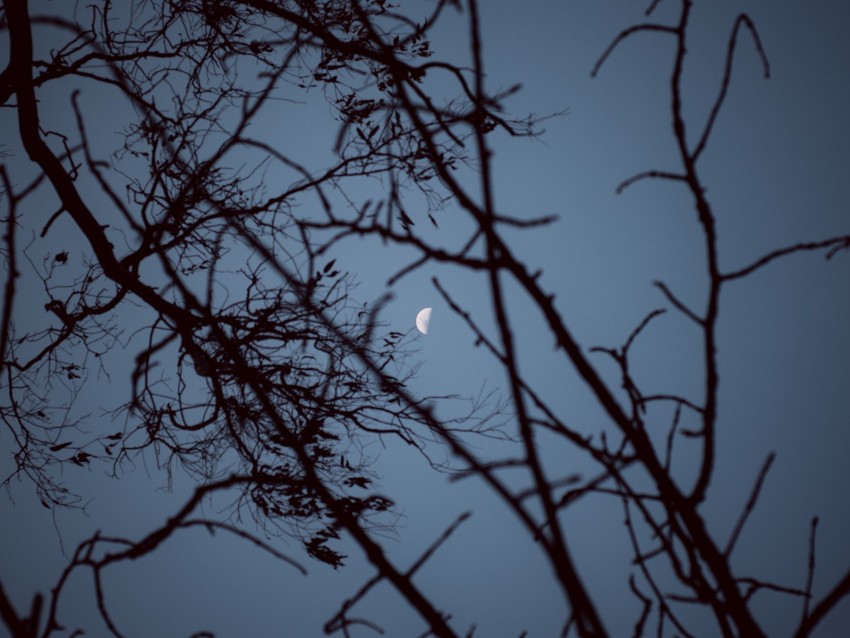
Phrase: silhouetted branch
pixel 255 370
pixel 837 243
pixel 751 502
pixel 836 595
pixel 211 526
pixel 677 303
pixel 623 35
pixel 810 570
pixel 743 20
pixel 755 585
pixel 647 608
pixel 340 621
pixel 11 263
pixel 26 627
pixel 664 175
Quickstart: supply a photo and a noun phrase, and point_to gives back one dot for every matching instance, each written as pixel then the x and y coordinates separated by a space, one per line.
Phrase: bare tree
pixel 259 372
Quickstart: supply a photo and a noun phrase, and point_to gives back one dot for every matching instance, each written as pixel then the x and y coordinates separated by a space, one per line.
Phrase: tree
pixel 258 374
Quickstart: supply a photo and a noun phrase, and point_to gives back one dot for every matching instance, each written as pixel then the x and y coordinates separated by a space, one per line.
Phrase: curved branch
pixel 836 243
pixel 742 20
pixel 624 34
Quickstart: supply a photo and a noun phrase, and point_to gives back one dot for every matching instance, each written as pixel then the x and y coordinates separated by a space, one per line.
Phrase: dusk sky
pixel 776 173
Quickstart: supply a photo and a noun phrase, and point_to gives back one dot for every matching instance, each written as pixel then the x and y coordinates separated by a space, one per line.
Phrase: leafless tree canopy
pixel 210 297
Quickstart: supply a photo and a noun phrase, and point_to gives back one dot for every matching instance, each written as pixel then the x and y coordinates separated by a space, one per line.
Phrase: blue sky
pixel 775 171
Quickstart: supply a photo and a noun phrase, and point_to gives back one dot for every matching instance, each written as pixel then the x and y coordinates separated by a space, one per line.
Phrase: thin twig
pixel 9 293
pixel 834 242
pixel 751 502
pixel 675 177
pixel 678 304
pixel 743 19
pixel 810 570
pixel 625 33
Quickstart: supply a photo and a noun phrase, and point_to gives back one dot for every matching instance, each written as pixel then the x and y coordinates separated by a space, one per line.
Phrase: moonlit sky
pixel 776 173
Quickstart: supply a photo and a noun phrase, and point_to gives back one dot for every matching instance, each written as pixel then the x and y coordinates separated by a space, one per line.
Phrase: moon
pixel 423 319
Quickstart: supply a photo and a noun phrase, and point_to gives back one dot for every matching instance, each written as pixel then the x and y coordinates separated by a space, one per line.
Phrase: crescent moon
pixel 423 319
